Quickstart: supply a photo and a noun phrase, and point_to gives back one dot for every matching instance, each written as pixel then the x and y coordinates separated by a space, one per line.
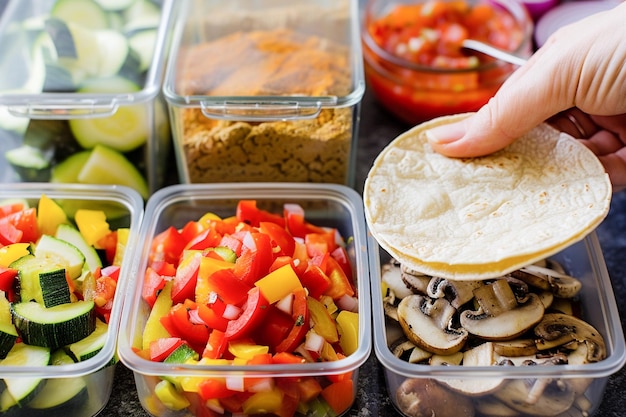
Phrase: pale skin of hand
pixel 581 66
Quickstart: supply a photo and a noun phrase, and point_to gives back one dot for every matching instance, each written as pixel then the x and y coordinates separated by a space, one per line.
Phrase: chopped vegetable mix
pixel 257 288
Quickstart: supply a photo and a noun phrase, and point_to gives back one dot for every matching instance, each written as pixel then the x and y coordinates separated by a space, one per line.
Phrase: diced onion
pixel 314 342
pixel 346 302
pixel 285 304
pixel 260 384
pixel 231 312
pixel 235 383
pixel 194 317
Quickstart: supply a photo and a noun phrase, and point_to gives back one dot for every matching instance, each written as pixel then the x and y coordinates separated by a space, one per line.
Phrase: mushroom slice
pixel 392 276
pixel 446 360
pixel 521 395
pixel 492 407
pixel 420 397
pixel 428 323
pixel 556 329
pixel 516 347
pixel 500 316
pixel 457 292
pixel 561 285
pixel 415 281
pixel 481 355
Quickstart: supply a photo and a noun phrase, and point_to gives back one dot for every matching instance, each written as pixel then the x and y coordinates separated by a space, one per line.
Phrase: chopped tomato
pixel 25 221
pixel 8 232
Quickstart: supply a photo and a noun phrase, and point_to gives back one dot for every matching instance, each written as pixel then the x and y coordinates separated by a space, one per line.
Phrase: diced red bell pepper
pixel 249 213
pixel 9 208
pixel 168 246
pixel 340 254
pixel 162 347
pixel 111 271
pixel 254 311
pixel 108 243
pixel 8 232
pixel 296 223
pixel 212 318
pixel 274 328
pixel 208 238
pixel 25 221
pixel 216 345
pixel 152 284
pixel 231 242
pixel 184 282
pixel 228 286
pixel 315 280
pixel 339 281
pixel 300 316
pixel 180 325
pixel 339 395
pixel 256 257
pixel 280 238
pixel 212 388
pixel 7 278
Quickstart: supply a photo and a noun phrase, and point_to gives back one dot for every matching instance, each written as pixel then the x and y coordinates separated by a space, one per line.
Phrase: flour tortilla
pixel 483 217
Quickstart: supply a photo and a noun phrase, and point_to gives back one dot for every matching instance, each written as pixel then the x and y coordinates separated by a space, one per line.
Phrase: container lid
pixel 265 60
pixel 53 58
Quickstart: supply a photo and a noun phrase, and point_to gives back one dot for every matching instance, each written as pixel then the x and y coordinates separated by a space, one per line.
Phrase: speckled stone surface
pixel 377 128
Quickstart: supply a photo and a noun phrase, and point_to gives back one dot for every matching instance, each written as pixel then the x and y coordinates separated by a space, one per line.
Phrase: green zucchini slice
pixel 55 326
pixel 20 389
pixel 42 280
pixel 63 252
pixel 89 346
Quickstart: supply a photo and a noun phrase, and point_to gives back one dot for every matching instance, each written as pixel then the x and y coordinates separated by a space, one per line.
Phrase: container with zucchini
pixel 79 93
pixel 60 266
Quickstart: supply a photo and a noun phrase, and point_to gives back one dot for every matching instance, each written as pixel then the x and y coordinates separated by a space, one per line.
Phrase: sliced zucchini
pixel 144 43
pixel 76 47
pixel 72 235
pixel 20 389
pixel 55 326
pixel 115 5
pixel 82 12
pixel 8 337
pixel 67 171
pixel 89 346
pixel 181 354
pixel 61 251
pixel 107 166
pixel 115 54
pixel 60 395
pixel 30 163
pixel 125 130
pixel 142 14
pixel 42 280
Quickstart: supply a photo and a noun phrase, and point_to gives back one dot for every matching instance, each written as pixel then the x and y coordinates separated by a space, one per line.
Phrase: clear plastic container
pixel 580 386
pixel 92 378
pixel 329 205
pixel 265 91
pixel 72 82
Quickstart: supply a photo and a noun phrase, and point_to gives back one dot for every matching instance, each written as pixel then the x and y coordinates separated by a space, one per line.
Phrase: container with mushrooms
pixel 539 341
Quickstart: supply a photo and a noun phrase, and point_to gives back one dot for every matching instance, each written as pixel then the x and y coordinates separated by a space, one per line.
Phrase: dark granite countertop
pixel 377 128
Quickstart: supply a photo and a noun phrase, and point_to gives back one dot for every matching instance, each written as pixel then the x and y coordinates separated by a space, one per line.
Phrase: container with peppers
pixel 248 300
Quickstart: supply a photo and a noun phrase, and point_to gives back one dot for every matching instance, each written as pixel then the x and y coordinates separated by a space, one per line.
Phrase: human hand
pixel 579 72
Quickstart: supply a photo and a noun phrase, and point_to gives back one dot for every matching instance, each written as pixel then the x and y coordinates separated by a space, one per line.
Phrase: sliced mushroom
pixel 446 360
pixel 392 276
pixel 481 355
pixel 424 397
pixel 500 316
pixel 457 292
pixel 415 281
pixel 492 407
pixel 406 348
pixel 555 329
pixel 561 284
pixel 520 394
pixel 515 347
pixel 428 323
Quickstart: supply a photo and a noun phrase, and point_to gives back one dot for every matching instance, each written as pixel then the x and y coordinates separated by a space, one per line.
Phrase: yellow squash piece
pixel 92 224
pixel 170 397
pixel 154 329
pixel 49 215
pixel 348 326
pixel 12 252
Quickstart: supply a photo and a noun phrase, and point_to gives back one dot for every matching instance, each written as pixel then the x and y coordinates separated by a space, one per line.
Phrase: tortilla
pixel 484 217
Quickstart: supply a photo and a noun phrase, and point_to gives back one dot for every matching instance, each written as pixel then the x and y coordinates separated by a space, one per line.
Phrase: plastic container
pixel 415 90
pixel 94 376
pixel 324 205
pixel 582 260
pixel 265 91
pixel 71 82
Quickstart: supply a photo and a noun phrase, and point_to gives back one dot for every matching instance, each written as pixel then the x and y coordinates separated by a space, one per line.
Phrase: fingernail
pixel 446 133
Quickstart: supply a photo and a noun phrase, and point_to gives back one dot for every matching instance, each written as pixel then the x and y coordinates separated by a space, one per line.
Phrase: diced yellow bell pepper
pixel 323 323
pixel 214 362
pixel 207 218
pixel 172 399
pixel 207 267
pixel 49 215
pixel 245 350
pixel 266 402
pixel 12 252
pixel 92 224
pixel 279 283
pixel 154 329
pixel 190 383
pixel 348 326
pixel 120 247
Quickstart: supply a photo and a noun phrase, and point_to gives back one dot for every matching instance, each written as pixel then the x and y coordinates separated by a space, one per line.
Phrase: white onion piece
pixel 235 383
pixel 286 304
pixel 194 317
pixel 346 302
pixel 231 312
pixel 265 384
pixel 313 342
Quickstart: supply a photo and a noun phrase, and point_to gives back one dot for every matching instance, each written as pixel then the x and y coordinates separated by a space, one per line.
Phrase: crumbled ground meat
pixel 267 63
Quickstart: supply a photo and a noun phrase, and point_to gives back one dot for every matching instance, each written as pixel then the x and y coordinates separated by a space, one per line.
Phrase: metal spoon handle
pixel 493 51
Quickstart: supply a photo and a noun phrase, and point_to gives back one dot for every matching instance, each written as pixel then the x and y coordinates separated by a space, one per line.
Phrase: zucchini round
pixel 55 326
pixel 19 390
